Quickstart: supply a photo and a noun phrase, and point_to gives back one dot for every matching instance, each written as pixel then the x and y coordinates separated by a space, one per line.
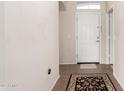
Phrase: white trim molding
pixel 118 80
pixel 54 83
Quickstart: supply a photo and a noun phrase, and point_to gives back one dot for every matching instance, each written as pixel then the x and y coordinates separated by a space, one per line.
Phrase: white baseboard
pixel 67 63
pixel 122 86
pixel 54 83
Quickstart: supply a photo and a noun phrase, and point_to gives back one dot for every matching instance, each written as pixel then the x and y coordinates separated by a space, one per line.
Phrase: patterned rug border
pixel 111 81
pixel 69 81
pixel 87 73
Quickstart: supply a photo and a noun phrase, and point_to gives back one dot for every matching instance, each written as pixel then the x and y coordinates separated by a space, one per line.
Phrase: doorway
pixel 88 37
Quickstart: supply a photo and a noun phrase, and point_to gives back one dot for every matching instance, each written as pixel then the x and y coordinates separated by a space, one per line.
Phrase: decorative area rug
pixel 90 82
pixel 88 66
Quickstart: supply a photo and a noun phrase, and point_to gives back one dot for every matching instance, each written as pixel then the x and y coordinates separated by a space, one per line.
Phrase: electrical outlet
pixel 49 71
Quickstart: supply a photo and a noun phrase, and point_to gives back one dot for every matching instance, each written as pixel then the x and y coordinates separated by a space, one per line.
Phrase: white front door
pixel 88 25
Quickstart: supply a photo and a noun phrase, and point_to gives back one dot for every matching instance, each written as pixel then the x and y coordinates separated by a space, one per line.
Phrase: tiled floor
pixel 67 70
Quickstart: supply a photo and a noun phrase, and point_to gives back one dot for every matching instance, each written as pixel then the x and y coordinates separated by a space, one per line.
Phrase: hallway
pixel 88 34
pixel 62 45
pixel 67 70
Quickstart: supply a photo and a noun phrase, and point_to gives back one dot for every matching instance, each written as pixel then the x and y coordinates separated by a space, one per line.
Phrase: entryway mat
pixel 90 82
pixel 88 66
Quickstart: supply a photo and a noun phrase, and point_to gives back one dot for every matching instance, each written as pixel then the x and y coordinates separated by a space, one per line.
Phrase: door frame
pixel 76 33
pixel 107 37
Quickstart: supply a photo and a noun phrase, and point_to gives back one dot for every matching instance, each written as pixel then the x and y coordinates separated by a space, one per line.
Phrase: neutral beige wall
pixel 67 29
pixel 2 42
pixel 31 45
pixel 67 43
pixel 119 41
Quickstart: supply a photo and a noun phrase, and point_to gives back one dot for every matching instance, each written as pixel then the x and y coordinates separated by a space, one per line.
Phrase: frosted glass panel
pixel 88 6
